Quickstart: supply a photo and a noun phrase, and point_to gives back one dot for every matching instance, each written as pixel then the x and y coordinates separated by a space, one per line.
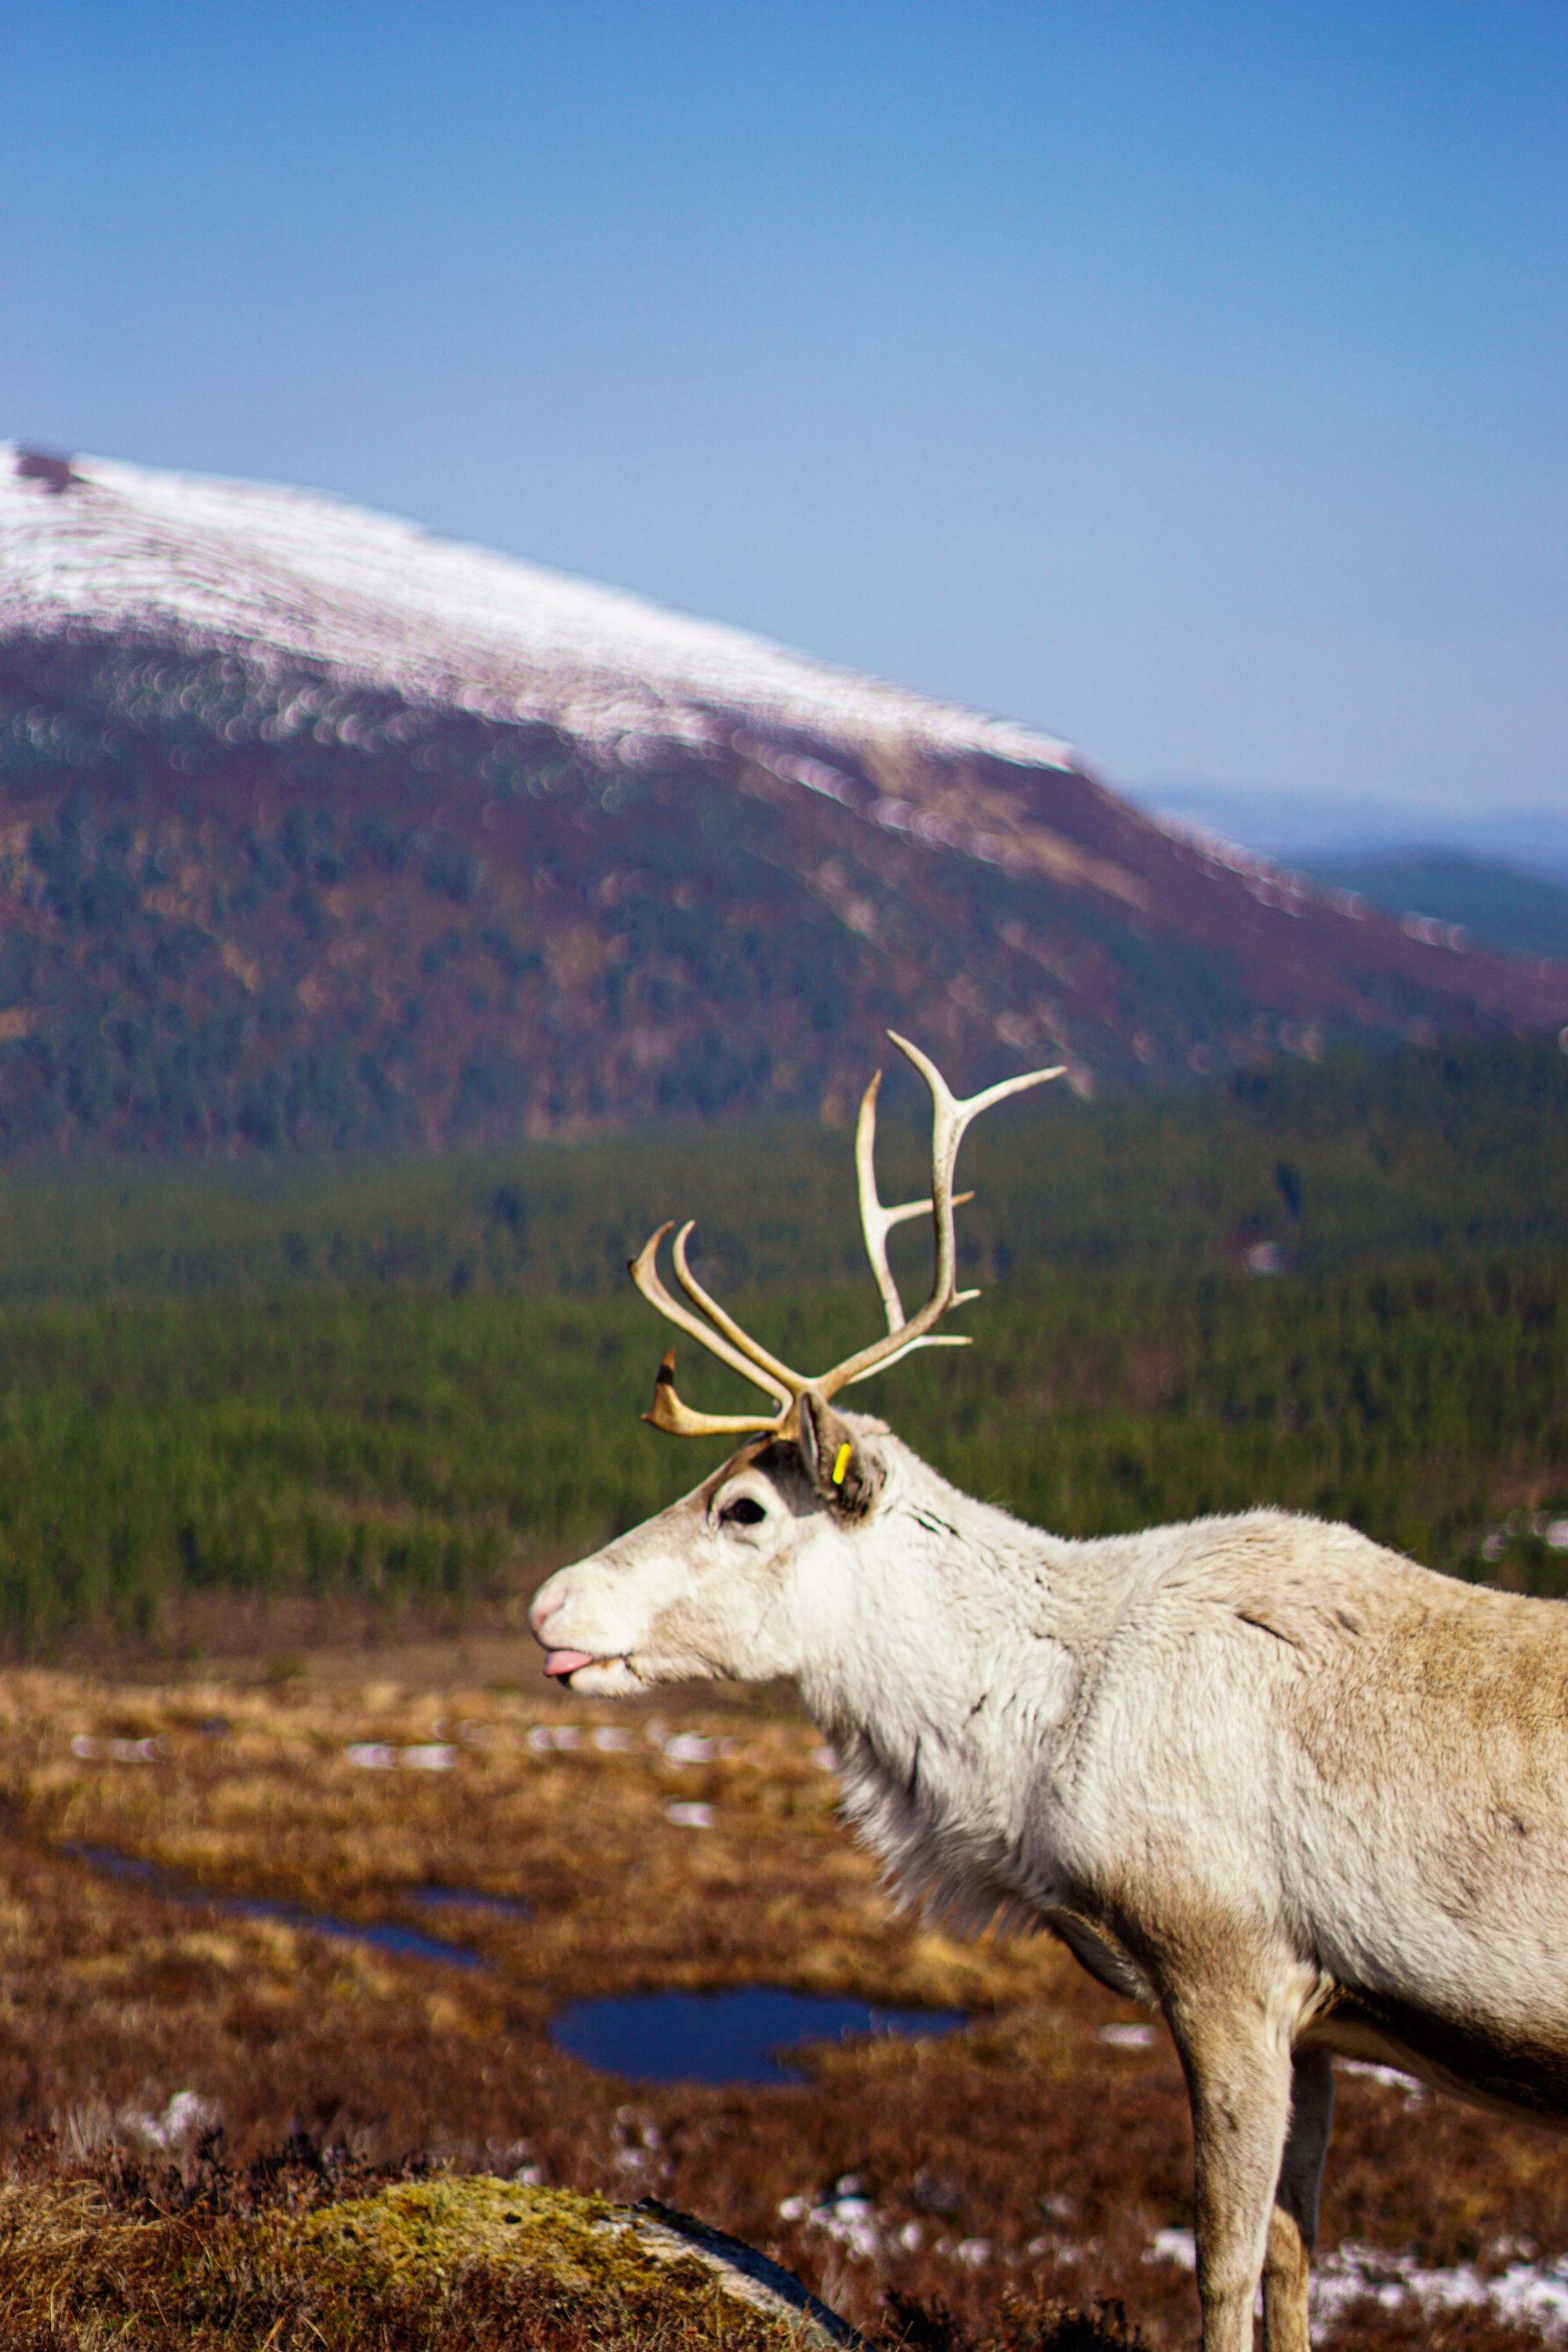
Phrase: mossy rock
pixel 464 2258
pixel 608 2255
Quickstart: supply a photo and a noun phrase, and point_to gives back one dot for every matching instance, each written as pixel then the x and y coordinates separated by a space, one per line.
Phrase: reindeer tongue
pixel 567 1662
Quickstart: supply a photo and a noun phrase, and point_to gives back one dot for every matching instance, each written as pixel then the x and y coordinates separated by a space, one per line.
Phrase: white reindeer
pixel 1292 1790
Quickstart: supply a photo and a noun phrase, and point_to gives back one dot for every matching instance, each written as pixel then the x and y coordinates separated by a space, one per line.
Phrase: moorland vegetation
pixel 206 2103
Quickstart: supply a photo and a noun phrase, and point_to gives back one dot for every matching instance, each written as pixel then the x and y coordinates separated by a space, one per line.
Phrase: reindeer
pixel 1283 1786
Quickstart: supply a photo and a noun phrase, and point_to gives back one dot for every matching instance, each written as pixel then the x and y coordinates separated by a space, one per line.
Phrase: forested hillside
pixel 439 1452
pixel 1453 1147
pixel 411 1386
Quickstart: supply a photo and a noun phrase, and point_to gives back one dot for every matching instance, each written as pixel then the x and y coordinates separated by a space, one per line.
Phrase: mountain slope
pixel 317 831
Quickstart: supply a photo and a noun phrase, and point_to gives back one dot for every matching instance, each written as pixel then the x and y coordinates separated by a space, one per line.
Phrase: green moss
pixel 618 2268
pixel 434 2226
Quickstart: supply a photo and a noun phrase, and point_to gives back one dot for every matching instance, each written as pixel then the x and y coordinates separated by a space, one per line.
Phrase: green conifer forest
pixel 1342 1289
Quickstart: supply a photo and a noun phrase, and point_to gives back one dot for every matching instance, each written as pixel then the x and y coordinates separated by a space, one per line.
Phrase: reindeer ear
pixel 846 1478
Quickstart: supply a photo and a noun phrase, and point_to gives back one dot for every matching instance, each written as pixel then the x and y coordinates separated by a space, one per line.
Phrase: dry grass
pixel 951 2192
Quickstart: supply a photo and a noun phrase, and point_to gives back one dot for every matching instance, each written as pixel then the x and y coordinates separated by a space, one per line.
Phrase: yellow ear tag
pixel 841 1464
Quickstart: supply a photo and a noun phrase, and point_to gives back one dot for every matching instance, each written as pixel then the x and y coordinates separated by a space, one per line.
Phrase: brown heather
pixel 1035 2160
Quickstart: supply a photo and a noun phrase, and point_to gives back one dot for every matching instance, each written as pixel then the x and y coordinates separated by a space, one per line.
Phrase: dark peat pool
pixel 741 2036
pixel 392 1936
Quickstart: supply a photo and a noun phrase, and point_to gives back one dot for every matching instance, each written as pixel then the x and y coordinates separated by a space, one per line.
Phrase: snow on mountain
pixel 320 831
pixel 267 574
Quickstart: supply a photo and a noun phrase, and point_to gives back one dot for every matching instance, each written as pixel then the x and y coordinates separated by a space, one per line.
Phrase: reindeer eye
pixel 743 1512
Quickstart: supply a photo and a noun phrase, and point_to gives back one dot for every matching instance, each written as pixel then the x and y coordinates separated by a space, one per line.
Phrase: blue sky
pixel 1186 379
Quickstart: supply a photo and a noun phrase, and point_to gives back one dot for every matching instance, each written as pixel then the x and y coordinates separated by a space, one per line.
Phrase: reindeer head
pixel 747 1575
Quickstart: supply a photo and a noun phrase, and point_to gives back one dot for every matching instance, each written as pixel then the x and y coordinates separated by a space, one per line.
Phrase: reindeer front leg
pixel 1238 2075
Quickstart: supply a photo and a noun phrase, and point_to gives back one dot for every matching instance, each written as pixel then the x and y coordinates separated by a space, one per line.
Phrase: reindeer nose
pixel 545 1608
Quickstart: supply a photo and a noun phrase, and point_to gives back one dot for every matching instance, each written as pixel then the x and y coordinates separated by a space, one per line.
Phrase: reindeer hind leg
pixel 1293 2223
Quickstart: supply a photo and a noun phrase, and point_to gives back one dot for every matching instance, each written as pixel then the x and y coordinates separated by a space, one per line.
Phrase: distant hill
pixel 1501 906
pixel 1301 827
pixel 318 833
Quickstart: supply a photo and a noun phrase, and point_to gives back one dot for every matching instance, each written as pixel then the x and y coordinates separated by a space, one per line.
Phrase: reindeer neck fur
pixel 951 1697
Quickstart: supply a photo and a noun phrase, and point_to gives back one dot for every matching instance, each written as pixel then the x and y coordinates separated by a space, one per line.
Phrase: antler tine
pixel 678 1419
pixel 876 1221
pixel 908 1348
pixel 643 1272
pixel 950 1118
pixel 793 1381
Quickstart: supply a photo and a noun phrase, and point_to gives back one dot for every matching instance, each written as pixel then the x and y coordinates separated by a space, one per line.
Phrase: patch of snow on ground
pixel 380 1755
pixel 873 2233
pixel 1533 2293
pixel 1416 2094
pixel 187 2117
pixel 1126 2037
pixel 114 1751
pixel 1528 2293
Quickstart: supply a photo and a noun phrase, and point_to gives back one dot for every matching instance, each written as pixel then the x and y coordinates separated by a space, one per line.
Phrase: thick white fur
pixel 1296 1791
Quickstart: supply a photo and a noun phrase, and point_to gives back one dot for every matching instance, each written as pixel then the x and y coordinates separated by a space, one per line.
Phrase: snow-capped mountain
pixel 317 829
pixel 284 578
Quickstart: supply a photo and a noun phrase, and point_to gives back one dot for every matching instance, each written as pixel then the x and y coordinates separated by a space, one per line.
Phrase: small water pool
pixel 392 1936
pixel 741 2036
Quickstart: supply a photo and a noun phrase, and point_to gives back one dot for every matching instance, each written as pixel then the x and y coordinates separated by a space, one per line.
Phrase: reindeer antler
pixel 950 1118
pixel 877 1221
pixel 723 1337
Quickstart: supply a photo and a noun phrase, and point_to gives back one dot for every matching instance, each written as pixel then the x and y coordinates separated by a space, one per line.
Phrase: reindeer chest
pixel 955 1826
